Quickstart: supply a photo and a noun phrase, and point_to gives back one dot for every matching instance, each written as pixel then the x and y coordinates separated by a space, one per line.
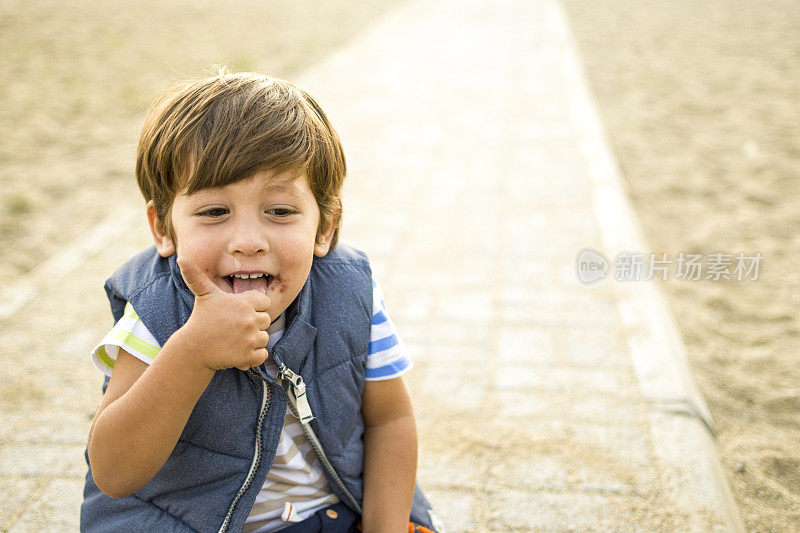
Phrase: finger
pixel 260 340
pixel 259 356
pixel 264 320
pixel 197 280
pixel 258 300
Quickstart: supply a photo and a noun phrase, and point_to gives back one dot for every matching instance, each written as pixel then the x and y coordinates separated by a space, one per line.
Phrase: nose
pixel 248 238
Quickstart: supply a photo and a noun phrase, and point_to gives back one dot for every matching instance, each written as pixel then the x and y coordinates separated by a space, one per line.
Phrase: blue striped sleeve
pixel 381 345
pixel 379 318
pixel 388 357
pixel 391 370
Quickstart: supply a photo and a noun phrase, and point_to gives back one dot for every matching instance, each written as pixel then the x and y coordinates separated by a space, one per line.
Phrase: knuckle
pixel 257 358
pixel 258 340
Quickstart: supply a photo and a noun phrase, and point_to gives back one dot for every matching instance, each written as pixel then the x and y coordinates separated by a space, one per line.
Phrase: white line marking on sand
pixel 88 244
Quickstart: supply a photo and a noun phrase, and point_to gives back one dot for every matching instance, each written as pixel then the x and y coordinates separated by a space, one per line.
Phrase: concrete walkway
pixel 478 171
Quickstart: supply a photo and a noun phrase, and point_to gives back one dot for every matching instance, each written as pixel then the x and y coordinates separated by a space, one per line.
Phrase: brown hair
pixel 224 128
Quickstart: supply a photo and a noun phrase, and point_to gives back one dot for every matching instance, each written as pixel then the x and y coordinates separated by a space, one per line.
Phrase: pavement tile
pixel 455 390
pixel 17 493
pixel 457 472
pixel 622 446
pixel 568 511
pixel 578 407
pixel 559 346
pixel 42 459
pixel 443 356
pixel 627 441
pixel 453 334
pixel 473 305
pixel 42 524
pixel 418 307
pixel 538 472
pixel 562 379
pixel 454 507
pixel 595 346
pixel 556 300
pixel 52 426
pixel 526 344
pixel 578 468
pixel 536 314
pixel 60 504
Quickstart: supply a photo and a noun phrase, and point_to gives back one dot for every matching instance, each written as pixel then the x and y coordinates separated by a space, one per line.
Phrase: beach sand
pixel 700 102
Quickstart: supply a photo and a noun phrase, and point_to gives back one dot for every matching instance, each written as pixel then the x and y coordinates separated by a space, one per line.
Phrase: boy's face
pixel 266 224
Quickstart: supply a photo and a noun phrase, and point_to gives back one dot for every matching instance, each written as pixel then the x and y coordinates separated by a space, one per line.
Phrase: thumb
pixel 197 280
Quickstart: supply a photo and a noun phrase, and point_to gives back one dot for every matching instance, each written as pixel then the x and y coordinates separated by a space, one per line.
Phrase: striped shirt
pixel 296 477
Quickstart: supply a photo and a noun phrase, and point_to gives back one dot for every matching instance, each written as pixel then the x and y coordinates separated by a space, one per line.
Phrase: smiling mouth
pixel 258 281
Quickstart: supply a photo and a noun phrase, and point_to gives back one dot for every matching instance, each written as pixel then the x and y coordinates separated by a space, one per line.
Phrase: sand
pixel 700 101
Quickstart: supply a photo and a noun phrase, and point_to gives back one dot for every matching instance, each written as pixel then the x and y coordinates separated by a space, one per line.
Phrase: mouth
pixel 249 281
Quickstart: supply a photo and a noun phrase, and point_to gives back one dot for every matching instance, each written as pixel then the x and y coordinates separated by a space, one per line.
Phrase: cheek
pixel 201 247
pixel 297 253
pixel 298 250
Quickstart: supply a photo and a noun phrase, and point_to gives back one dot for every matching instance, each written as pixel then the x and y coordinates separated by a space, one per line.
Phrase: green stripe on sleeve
pixel 131 312
pixel 126 338
pixel 104 357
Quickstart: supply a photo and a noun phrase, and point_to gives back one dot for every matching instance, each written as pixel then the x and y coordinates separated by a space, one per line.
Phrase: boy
pixel 256 379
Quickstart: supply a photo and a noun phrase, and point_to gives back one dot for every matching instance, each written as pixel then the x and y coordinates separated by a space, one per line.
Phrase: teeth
pixel 248 276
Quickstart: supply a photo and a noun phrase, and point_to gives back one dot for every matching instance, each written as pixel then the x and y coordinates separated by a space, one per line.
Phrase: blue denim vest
pixel 211 477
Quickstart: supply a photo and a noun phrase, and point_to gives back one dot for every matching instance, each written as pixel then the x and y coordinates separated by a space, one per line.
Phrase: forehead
pixel 293 183
pixel 286 182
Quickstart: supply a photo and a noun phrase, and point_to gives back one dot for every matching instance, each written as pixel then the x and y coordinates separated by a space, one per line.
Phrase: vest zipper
pixel 265 401
pixel 295 389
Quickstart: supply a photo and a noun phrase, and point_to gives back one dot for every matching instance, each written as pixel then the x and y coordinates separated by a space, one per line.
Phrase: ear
pixel 164 244
pixel 324 238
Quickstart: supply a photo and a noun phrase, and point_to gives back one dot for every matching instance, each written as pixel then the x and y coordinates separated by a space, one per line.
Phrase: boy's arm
pixel 145 409
pixel 390 456
pixel 140 418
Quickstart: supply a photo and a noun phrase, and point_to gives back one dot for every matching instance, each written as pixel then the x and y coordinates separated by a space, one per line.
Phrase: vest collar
pixel 298 337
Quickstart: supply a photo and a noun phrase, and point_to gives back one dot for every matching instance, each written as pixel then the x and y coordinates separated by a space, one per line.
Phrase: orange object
pixel 412 528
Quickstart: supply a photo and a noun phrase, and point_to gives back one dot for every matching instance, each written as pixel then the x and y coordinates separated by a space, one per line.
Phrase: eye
pixel 281 212
pixel 213 212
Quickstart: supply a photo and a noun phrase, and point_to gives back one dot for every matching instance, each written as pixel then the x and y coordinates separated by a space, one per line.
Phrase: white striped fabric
pixel 295 476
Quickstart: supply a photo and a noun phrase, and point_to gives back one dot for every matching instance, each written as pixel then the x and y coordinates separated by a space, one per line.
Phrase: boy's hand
pixel 224 330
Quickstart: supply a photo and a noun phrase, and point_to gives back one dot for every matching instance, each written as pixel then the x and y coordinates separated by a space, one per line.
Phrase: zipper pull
pixel 297 393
